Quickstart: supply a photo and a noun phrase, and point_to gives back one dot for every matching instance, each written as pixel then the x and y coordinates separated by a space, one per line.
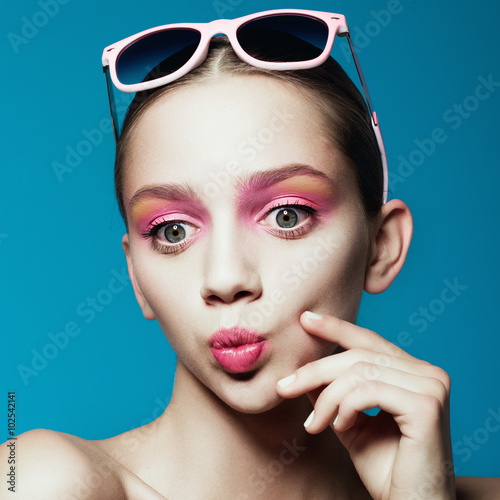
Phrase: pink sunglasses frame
pixel 336 24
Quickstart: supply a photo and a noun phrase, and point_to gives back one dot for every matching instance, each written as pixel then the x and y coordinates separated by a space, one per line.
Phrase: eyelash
pixel 290 234
pixel 296 232
pixel 152 233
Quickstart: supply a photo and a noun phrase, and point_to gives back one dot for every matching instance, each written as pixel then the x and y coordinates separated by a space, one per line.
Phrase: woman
pixel 254 201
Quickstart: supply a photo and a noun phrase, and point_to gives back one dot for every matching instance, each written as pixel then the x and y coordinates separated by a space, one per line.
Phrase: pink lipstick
pixel 237 349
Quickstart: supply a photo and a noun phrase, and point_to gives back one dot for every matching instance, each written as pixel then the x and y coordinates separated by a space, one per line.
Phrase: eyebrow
pixel 267 178
pixel 165 192
pixel 255 181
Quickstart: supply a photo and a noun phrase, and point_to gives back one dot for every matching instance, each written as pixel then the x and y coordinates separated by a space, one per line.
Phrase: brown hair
pixel 329 88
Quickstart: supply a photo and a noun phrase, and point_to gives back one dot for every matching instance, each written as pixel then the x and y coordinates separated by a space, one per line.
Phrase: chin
pixel 249 393
pixel 254 407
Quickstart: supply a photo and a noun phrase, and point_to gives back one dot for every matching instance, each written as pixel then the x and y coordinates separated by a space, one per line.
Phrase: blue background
pixel 60 236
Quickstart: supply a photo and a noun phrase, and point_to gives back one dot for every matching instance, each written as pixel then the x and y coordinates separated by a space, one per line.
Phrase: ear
pixel 146 309
pixel 390 246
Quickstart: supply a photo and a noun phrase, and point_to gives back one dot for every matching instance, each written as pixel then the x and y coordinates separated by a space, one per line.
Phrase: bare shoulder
pixel 52 464
pixel 478 488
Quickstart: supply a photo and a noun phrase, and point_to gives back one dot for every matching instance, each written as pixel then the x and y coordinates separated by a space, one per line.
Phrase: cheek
pixel 325 272
pixel 169 285
pixel 171 293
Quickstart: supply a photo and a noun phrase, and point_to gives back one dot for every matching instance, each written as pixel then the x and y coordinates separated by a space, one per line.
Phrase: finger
pixel 328 402
pixel 384 429
pixel 348 335
pixel 325 370
pixel 416 414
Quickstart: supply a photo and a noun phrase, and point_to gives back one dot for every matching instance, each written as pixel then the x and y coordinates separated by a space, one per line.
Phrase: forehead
pixel 224 129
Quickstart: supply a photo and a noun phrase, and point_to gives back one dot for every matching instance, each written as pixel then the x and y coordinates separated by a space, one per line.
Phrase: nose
pixel 230 271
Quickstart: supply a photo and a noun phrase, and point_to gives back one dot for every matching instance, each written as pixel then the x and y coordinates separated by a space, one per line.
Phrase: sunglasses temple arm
pixel 111 99
pixel 360 74
pixel 375 125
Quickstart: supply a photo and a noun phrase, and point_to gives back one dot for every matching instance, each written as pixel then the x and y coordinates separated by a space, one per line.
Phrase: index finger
pixel 348 335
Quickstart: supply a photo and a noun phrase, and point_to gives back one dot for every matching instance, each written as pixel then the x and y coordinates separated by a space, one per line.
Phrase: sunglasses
pixel 161 55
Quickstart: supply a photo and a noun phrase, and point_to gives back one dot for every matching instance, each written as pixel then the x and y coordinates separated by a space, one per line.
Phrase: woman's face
pixel 241 216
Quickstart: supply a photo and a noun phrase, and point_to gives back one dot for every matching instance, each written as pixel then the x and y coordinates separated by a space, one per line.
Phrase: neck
pixel 234 453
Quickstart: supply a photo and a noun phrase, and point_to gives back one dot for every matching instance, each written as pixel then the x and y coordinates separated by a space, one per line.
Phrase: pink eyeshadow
pixel 144 212
pixel 311 190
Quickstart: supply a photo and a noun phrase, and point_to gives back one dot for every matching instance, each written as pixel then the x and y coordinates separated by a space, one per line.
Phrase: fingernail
pixel 309 419
pixel 287 380
pixel 314 316
pixel 336 420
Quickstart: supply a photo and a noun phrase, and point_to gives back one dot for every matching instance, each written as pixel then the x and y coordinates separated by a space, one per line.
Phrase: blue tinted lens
pixel 156 55
pixel 284 38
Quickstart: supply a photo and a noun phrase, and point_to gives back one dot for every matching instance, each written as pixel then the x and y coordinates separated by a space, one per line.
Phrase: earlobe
pixel 390 246
pixel 146 309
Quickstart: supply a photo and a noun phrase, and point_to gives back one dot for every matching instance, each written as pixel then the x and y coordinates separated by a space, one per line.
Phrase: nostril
pixel 229 298
pixel 242 294
pixel 214 299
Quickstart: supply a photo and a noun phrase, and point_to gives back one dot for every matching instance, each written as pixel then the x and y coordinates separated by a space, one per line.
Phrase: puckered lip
pixel 234 336
pixel 238 349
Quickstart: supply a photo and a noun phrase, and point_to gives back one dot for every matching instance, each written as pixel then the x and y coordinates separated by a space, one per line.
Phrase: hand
pixel 405 451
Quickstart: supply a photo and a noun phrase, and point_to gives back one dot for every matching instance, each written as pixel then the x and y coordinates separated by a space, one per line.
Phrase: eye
pixel 290 221
pixel 171 236
pixel 173 233
pixel 287 218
